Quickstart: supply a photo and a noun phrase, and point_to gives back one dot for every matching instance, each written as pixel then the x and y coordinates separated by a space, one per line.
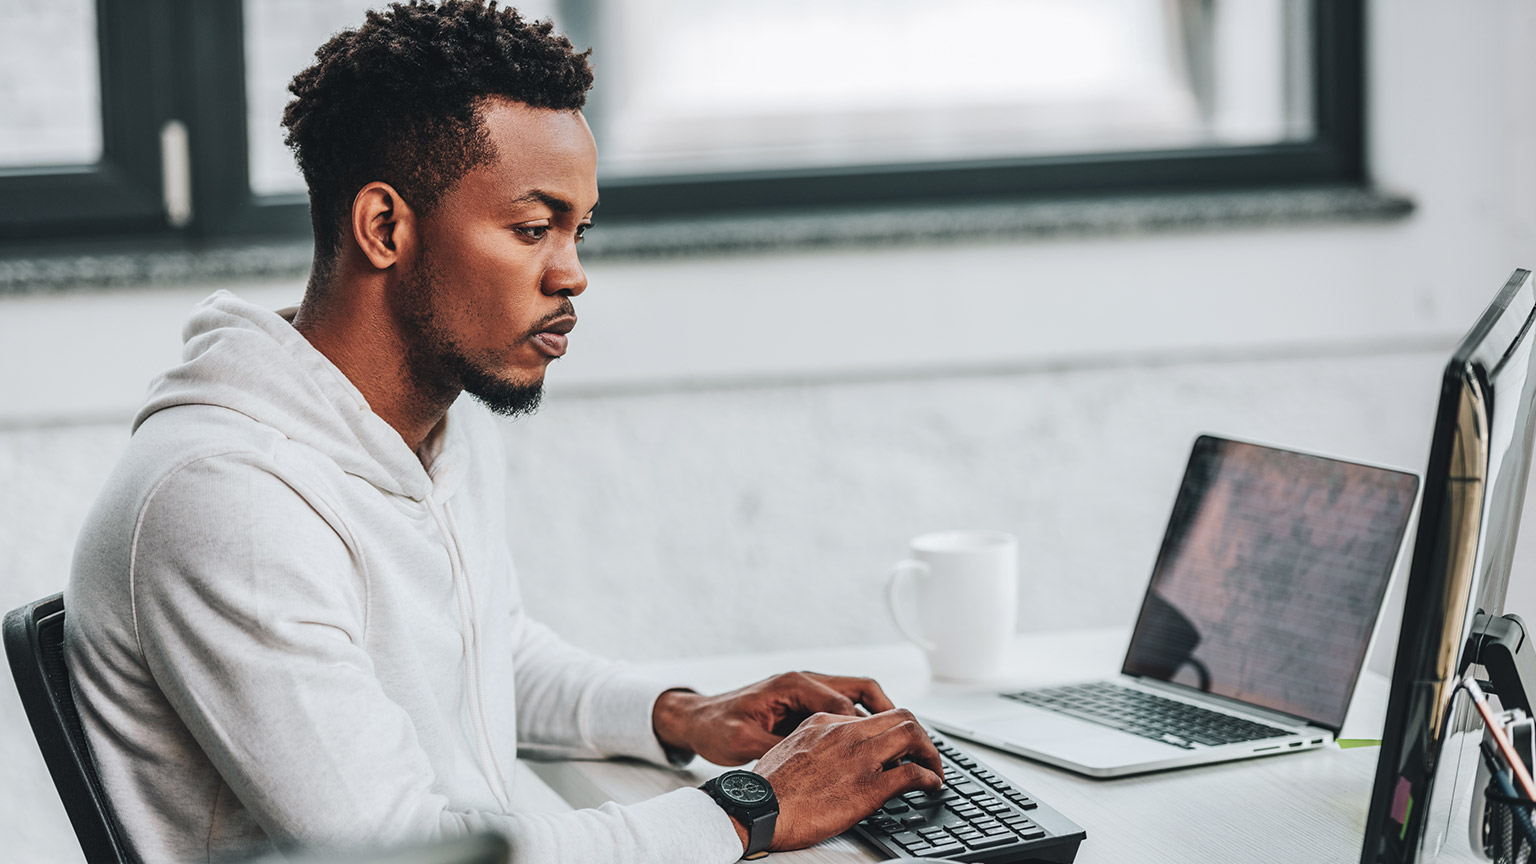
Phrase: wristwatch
pixel 749 799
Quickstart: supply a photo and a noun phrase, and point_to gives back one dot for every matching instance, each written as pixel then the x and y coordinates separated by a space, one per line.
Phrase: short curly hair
pixel 396 100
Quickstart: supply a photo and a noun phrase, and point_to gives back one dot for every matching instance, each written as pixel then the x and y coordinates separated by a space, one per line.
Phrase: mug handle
pixel 892 591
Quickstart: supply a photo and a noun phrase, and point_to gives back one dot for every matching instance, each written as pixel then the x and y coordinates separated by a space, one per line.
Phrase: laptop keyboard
pixel 1150 716
pixel 977 816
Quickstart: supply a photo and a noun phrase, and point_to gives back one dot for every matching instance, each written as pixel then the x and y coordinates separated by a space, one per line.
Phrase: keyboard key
pixel 907 838
pixel 896 805
pixel 992 842
pixel 940 850
pixel 991 827
pixel 967 788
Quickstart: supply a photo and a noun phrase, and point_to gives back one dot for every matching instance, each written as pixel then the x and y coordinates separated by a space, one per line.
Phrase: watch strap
pixel 760 835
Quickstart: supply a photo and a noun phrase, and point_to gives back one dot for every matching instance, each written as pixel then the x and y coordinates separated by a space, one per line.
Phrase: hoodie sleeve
pixel 249 606
pixel 574 705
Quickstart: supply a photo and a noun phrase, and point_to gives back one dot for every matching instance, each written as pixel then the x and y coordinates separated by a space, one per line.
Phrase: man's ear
pixel 383 225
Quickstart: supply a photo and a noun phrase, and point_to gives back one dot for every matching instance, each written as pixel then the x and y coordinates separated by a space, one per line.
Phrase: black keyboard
pixel 977 817
pixel 1146 714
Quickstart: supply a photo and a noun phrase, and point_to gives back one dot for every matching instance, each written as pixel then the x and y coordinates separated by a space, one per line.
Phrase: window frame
pixel 1335 155
pixel 203 83
pixel 123 191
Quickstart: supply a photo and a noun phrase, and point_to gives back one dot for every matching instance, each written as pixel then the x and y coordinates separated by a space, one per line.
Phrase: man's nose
pixel 564 275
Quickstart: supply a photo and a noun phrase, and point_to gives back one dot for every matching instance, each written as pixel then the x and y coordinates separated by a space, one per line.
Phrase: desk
pixel 1306 807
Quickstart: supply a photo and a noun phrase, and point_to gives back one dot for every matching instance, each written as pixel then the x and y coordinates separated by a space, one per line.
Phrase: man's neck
pixel 370 350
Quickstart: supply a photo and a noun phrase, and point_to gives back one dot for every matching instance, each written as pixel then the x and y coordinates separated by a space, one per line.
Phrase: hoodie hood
pixel 248 359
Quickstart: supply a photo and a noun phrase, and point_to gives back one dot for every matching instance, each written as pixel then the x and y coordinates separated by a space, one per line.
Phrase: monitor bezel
pixel 1435 591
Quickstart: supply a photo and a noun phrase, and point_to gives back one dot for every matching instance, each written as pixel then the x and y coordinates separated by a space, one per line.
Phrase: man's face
pixel 487 304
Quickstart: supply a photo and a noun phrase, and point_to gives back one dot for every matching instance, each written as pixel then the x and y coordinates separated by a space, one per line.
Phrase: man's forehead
pixel 536 129
pixel 542 155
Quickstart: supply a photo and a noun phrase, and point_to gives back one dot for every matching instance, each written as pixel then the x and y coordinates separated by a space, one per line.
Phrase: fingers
pixel 902 737
pixel 832 771
pixel 907 777
pixel 864 691
pixel 808 693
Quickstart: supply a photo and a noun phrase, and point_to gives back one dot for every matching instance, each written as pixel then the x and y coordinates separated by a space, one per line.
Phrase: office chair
pixel 34 643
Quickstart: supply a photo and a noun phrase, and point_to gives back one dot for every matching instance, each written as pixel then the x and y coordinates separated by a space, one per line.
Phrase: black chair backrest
pixel 34 643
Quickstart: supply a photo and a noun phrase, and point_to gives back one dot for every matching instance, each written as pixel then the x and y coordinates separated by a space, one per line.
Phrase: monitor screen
pixel 1474 489
pixel 1271 576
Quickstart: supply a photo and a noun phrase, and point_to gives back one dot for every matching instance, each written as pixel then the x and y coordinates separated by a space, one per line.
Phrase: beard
pixel 438 362
pixel 507 398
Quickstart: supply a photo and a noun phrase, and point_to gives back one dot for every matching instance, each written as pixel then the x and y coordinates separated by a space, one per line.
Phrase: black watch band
pixel 749 799
pixel 760 835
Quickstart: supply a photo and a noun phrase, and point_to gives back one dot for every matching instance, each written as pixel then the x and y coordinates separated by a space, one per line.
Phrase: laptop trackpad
pixel 1072 740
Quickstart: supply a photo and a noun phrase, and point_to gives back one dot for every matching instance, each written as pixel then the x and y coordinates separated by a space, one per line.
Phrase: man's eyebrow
pixel 550 200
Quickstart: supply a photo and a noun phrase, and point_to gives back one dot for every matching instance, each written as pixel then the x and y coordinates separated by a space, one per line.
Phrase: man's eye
pixel 533 232
pixel 581 231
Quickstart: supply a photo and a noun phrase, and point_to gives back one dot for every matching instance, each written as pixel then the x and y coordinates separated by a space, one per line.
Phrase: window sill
pixel 27 270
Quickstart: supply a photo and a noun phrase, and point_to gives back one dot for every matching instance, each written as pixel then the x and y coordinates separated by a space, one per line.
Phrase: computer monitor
pixel 1468 520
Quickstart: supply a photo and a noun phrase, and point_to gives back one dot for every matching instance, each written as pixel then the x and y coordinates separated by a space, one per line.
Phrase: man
pixel 293 620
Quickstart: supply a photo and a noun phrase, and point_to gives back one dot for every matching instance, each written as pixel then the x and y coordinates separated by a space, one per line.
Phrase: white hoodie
pixel 284 630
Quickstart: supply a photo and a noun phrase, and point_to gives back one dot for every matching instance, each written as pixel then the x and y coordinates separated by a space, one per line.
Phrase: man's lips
pixel 551 340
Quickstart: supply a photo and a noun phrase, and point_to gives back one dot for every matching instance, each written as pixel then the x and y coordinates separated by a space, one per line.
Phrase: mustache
pixel 567 310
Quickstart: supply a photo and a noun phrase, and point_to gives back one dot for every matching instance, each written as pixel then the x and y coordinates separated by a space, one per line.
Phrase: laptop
pixel 1253 631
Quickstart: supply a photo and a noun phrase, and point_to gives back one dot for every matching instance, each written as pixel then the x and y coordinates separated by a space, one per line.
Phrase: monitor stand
pixel 1502 646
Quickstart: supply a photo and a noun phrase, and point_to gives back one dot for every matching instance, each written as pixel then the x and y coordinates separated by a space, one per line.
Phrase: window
pixel 707 106
pixel 702 86
pixel 83 96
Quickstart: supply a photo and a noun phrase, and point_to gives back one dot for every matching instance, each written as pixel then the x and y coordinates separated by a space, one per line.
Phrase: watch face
pixel 744 788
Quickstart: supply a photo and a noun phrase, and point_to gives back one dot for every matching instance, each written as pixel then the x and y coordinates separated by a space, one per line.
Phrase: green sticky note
pixel 1352 743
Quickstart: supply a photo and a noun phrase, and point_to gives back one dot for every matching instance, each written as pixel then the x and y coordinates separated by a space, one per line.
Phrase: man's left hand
pixel 736 727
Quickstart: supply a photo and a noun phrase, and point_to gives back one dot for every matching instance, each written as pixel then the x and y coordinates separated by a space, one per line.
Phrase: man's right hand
pixel 834 770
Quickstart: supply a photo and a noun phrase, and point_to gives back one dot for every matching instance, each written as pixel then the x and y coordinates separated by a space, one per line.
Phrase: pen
pixel 1516 764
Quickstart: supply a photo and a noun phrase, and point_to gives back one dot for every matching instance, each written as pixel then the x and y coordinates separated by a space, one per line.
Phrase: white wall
pixel 737 447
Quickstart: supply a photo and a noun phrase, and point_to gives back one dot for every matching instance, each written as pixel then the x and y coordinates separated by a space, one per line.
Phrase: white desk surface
pixel 1307 807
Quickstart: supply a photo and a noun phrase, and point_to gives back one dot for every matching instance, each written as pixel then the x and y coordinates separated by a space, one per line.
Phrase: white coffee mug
pixel 963 587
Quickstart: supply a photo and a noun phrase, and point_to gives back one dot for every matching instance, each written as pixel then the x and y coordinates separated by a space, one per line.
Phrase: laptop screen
pixel 1270 577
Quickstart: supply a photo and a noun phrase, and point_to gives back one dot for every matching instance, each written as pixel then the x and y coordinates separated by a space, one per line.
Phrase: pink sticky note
pixel 1401 799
